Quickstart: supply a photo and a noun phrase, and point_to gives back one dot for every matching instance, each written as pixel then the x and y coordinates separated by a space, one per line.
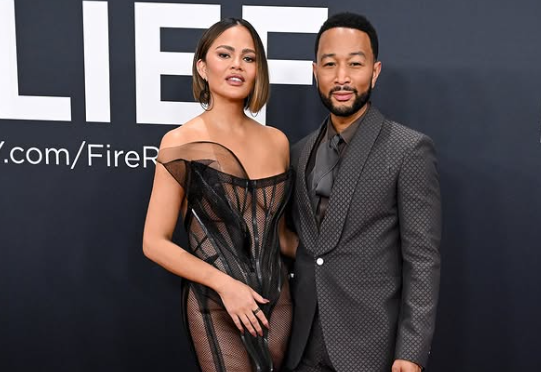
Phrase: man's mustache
pixel 346 88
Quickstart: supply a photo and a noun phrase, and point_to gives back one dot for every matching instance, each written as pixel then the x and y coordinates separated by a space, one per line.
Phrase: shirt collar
pixel 348 133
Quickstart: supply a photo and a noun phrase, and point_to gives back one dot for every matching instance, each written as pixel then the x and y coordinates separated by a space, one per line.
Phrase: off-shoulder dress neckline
pixel 247 178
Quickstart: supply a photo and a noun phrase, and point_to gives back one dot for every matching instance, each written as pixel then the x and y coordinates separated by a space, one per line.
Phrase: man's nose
pixel 342 75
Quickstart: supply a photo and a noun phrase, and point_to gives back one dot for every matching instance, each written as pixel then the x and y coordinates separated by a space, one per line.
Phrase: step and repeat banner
pixel 88 88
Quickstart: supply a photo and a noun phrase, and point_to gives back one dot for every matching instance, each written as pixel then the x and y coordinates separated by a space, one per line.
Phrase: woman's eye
pixel 223 55
pixel 249 59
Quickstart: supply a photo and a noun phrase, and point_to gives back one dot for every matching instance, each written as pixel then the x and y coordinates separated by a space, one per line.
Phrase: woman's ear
pixel 202 69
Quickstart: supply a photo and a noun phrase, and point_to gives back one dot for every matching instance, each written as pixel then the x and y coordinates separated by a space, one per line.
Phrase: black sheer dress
pixel 232 224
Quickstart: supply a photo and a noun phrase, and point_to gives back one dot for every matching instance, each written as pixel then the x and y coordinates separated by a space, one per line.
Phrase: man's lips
pixel 342 96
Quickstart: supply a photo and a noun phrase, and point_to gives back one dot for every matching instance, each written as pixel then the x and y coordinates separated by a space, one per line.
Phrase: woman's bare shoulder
pixel 274 141
pixel 188 132
pixel 275 136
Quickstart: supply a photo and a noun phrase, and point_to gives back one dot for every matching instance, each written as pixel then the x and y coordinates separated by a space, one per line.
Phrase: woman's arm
pixel 163 210
pixel 289 240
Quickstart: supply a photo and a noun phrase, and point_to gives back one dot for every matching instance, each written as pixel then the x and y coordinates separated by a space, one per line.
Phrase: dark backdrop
pixel 76 292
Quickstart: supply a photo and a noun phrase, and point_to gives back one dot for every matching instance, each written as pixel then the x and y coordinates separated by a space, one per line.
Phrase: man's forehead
pixel 344 41
pixel 358 53
pixel 342 31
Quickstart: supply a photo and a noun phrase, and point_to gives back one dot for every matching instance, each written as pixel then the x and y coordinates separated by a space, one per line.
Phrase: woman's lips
pixel 235 80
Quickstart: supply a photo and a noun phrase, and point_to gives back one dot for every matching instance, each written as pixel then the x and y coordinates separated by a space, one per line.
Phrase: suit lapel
pixel 346 181
pixel 308 224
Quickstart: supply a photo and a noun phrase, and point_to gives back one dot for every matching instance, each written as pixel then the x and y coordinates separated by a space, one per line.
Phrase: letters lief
pixel 150 62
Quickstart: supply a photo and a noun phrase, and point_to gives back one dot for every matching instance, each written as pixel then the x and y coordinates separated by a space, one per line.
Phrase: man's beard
pixel 345 111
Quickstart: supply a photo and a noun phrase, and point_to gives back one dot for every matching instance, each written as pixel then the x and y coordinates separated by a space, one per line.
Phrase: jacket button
pixel 320 261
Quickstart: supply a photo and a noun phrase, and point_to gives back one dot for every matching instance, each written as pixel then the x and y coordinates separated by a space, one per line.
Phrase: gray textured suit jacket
pixel 373 268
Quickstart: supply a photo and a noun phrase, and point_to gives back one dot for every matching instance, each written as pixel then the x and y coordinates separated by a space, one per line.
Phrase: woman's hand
pixel 241 303
pixel 401 365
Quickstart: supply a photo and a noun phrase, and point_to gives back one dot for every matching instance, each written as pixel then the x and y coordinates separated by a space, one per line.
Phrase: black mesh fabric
pixel 232 224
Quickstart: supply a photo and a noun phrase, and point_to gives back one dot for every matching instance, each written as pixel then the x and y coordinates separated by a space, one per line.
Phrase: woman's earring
pixel 204 96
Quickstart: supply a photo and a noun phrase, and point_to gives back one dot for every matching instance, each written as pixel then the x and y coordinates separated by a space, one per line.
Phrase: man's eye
pixel 328 64
pixel 356 64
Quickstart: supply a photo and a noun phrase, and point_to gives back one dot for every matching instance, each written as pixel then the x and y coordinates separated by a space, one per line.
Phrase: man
pixel 367 212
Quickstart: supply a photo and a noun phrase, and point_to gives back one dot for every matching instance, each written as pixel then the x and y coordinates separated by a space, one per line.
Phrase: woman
pixel 229 177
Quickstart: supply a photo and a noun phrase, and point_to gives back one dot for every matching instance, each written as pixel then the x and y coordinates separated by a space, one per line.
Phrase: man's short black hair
pixel 350 20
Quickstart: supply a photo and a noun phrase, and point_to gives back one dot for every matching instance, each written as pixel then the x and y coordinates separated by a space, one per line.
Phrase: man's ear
pixel 314 68
pixel 202 69
pixel 376 72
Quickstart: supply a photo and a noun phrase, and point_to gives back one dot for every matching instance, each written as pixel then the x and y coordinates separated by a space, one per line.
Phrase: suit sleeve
pixel 419 211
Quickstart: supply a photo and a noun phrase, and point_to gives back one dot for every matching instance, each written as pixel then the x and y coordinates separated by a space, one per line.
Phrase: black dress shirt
pixel 320 202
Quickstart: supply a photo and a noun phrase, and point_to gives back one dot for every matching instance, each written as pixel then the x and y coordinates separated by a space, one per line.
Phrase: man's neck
pixel 341 123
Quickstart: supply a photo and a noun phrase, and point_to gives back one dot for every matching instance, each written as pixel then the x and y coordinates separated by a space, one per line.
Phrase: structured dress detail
pixel 232 224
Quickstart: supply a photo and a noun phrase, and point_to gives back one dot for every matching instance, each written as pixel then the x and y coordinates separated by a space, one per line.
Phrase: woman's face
pixel 230 67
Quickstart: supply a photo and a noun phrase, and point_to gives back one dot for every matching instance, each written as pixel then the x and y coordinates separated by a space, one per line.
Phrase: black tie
pixel 327 158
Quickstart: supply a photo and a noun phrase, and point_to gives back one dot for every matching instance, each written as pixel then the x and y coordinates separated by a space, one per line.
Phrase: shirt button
pixel 320 261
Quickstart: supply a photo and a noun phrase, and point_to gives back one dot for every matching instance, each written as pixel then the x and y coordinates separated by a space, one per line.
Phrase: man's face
pixel 345 70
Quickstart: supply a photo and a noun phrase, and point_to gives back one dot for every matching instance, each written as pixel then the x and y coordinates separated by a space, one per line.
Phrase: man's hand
pixel 401 365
